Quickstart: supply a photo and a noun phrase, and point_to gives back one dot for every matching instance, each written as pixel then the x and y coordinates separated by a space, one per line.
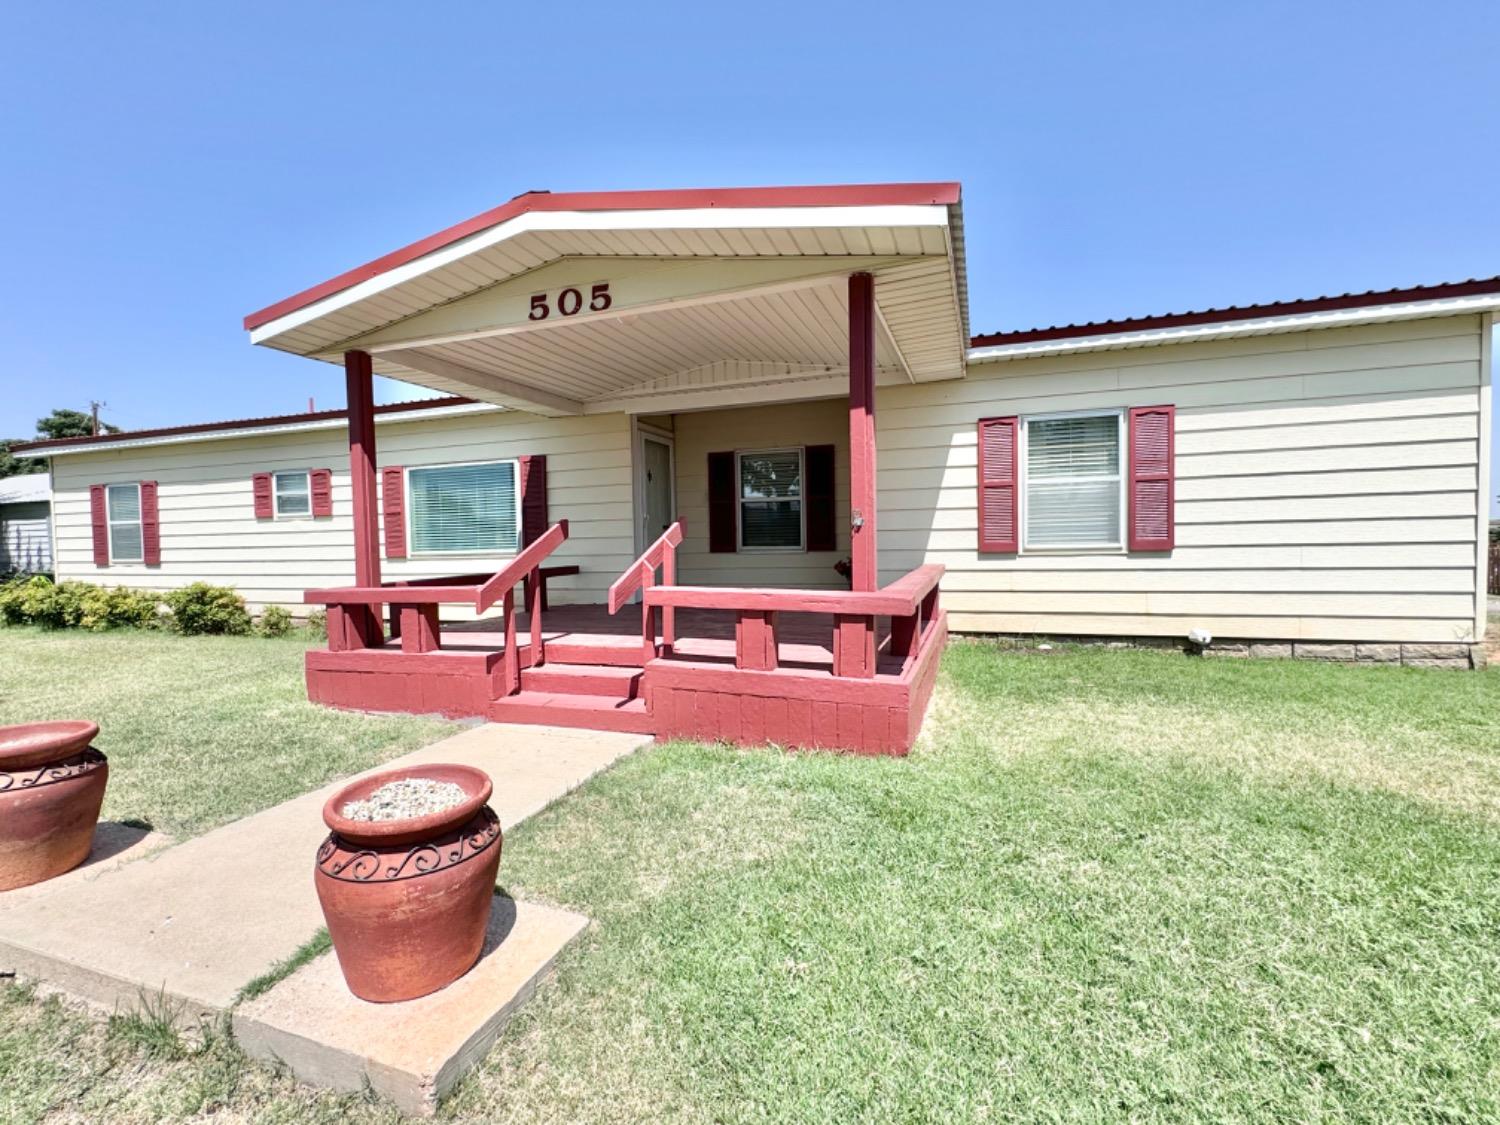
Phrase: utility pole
pixel 94 409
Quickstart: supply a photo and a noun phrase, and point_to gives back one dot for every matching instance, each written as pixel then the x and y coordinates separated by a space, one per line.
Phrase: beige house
pixel 1312 471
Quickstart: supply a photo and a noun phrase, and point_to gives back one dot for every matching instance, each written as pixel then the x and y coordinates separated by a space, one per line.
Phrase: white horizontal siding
pixel 1328 488
pixel 209 531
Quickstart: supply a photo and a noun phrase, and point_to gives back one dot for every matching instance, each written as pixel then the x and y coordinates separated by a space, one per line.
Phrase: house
pixel 731 464
pixel 26 524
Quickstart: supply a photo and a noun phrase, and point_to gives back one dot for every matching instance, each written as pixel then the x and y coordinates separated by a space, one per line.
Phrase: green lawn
pixel 1108 886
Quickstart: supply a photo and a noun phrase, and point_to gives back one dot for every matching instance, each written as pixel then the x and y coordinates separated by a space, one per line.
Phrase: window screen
pixel 293 495
pixel 771 498
pixel 1073 481
pixel 468 508
pixel 125 544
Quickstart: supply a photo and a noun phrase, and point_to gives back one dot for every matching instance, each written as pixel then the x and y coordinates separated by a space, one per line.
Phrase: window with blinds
pixel 456 509
pixel 771 499
pixel 293 494
pixel 1074 492
pixel 126 543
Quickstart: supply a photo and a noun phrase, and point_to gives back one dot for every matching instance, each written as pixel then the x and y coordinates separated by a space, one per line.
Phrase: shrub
pixel 275 621
pixel 38 601
pixel 317 623
pixel 201 608
pixel 119 607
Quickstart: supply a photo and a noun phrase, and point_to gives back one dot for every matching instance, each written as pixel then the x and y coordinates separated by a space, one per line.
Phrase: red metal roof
pixel 1471 288
pixel 239 424
pixel 830 195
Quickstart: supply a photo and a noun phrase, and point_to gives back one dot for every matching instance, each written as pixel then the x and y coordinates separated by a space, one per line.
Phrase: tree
pixel 61 423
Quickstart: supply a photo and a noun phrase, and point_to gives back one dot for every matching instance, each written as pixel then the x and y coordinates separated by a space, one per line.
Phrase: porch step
pixel 590 712
pixel 621 682
pixel 622 652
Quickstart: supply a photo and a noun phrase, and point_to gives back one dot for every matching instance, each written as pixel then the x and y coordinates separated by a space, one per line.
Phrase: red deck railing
pixel 641 575
pixel 910 602
pixel 353 621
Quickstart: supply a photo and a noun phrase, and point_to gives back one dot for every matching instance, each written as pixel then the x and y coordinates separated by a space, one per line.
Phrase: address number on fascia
pixel 569 302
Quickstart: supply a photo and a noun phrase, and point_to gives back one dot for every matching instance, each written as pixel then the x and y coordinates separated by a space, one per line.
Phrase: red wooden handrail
pixel 635 574
pixel 899 599
pixel 520 566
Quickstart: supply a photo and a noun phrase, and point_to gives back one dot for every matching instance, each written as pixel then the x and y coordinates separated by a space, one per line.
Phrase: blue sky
pixel 167 168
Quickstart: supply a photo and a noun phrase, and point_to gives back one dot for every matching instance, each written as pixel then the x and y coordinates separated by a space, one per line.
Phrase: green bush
pixel 38 601
pixel 317 623
pixel 201 608
pixel 119 607
pixel 275 621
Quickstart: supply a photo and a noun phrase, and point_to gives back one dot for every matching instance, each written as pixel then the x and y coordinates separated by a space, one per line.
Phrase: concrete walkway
pixel 198 921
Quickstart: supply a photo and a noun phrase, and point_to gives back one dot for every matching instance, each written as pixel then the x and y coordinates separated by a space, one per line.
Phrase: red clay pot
pixel 407 901
pixel 51 786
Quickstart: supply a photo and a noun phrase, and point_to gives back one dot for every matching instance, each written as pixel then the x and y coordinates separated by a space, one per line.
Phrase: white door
pixel 658 507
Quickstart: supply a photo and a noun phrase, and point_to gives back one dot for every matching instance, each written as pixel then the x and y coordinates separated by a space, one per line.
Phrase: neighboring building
pixel 26 524
pixel 781 370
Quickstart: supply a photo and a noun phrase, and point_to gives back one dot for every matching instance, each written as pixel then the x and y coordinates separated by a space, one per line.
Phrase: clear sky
pixel 167 168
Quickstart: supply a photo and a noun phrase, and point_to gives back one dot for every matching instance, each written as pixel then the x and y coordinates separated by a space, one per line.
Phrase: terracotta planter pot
pixel 407 901
pixel 51 786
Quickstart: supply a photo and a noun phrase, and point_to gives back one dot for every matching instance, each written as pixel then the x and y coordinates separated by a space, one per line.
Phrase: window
pixel 454 509
pixel 126 543
pixel 1074 496
pixel 771 500
pixel 293 495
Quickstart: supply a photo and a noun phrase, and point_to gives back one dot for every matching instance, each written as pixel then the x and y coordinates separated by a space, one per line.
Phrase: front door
pixel 657 507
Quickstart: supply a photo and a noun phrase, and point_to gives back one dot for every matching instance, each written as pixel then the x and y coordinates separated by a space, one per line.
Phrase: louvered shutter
pixel 1151 496
pixel 320 484
pixel 822 533
pixel 150 525
pixel 533 497
pixel 99 524
pixel 723 519
pixel 999 509
pixel 261 486
pixel 393 510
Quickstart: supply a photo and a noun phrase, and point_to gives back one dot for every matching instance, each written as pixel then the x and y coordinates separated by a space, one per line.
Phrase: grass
pixel 199 730
pixel 1109 886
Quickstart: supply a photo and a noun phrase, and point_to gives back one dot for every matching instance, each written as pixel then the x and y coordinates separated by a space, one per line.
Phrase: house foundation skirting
pixel 1459 655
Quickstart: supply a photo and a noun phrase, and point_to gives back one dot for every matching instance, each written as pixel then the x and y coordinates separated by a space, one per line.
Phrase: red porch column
pixel 862 429
pixel 359 385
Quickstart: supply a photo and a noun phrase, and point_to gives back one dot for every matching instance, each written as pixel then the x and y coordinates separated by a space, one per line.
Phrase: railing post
pixel 904 633
pixel 419 628
pixel 854 646
pixel 511 665
pixel 535 603
pixel 755 640
pixel 648 617
pixel 668 613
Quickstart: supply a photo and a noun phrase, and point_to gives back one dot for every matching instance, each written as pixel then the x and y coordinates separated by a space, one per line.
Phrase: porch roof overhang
pixel 651 301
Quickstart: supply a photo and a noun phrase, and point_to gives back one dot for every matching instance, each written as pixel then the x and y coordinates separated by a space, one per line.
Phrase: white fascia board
pixel 261 431
pixel 1295 322
pixel 686 218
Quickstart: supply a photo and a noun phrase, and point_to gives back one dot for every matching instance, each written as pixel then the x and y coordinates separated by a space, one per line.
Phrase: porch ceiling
pixel 705 306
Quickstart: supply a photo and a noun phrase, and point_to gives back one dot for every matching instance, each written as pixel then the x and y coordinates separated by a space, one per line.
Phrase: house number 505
pixel 569 302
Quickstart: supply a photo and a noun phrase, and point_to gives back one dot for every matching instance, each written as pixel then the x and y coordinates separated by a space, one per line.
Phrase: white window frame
pixel 1024 482
pixel 306 475
pixel 740 501
pixel 110 522
pixel 409 509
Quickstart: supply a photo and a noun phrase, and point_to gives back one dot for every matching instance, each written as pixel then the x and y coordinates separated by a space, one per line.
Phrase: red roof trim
pixel 239 424
pixel 1447 290
pixel 831 195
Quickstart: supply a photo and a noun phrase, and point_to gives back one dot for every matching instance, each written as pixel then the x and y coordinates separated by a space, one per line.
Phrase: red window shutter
pixel 150 525
pixel 818 498
pixel 999 482
pixel 99 519
pixel 723 504
pixel 393 510
pixel 261 484
pixel 533 497
pixel 320 484
pixel 1152 498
